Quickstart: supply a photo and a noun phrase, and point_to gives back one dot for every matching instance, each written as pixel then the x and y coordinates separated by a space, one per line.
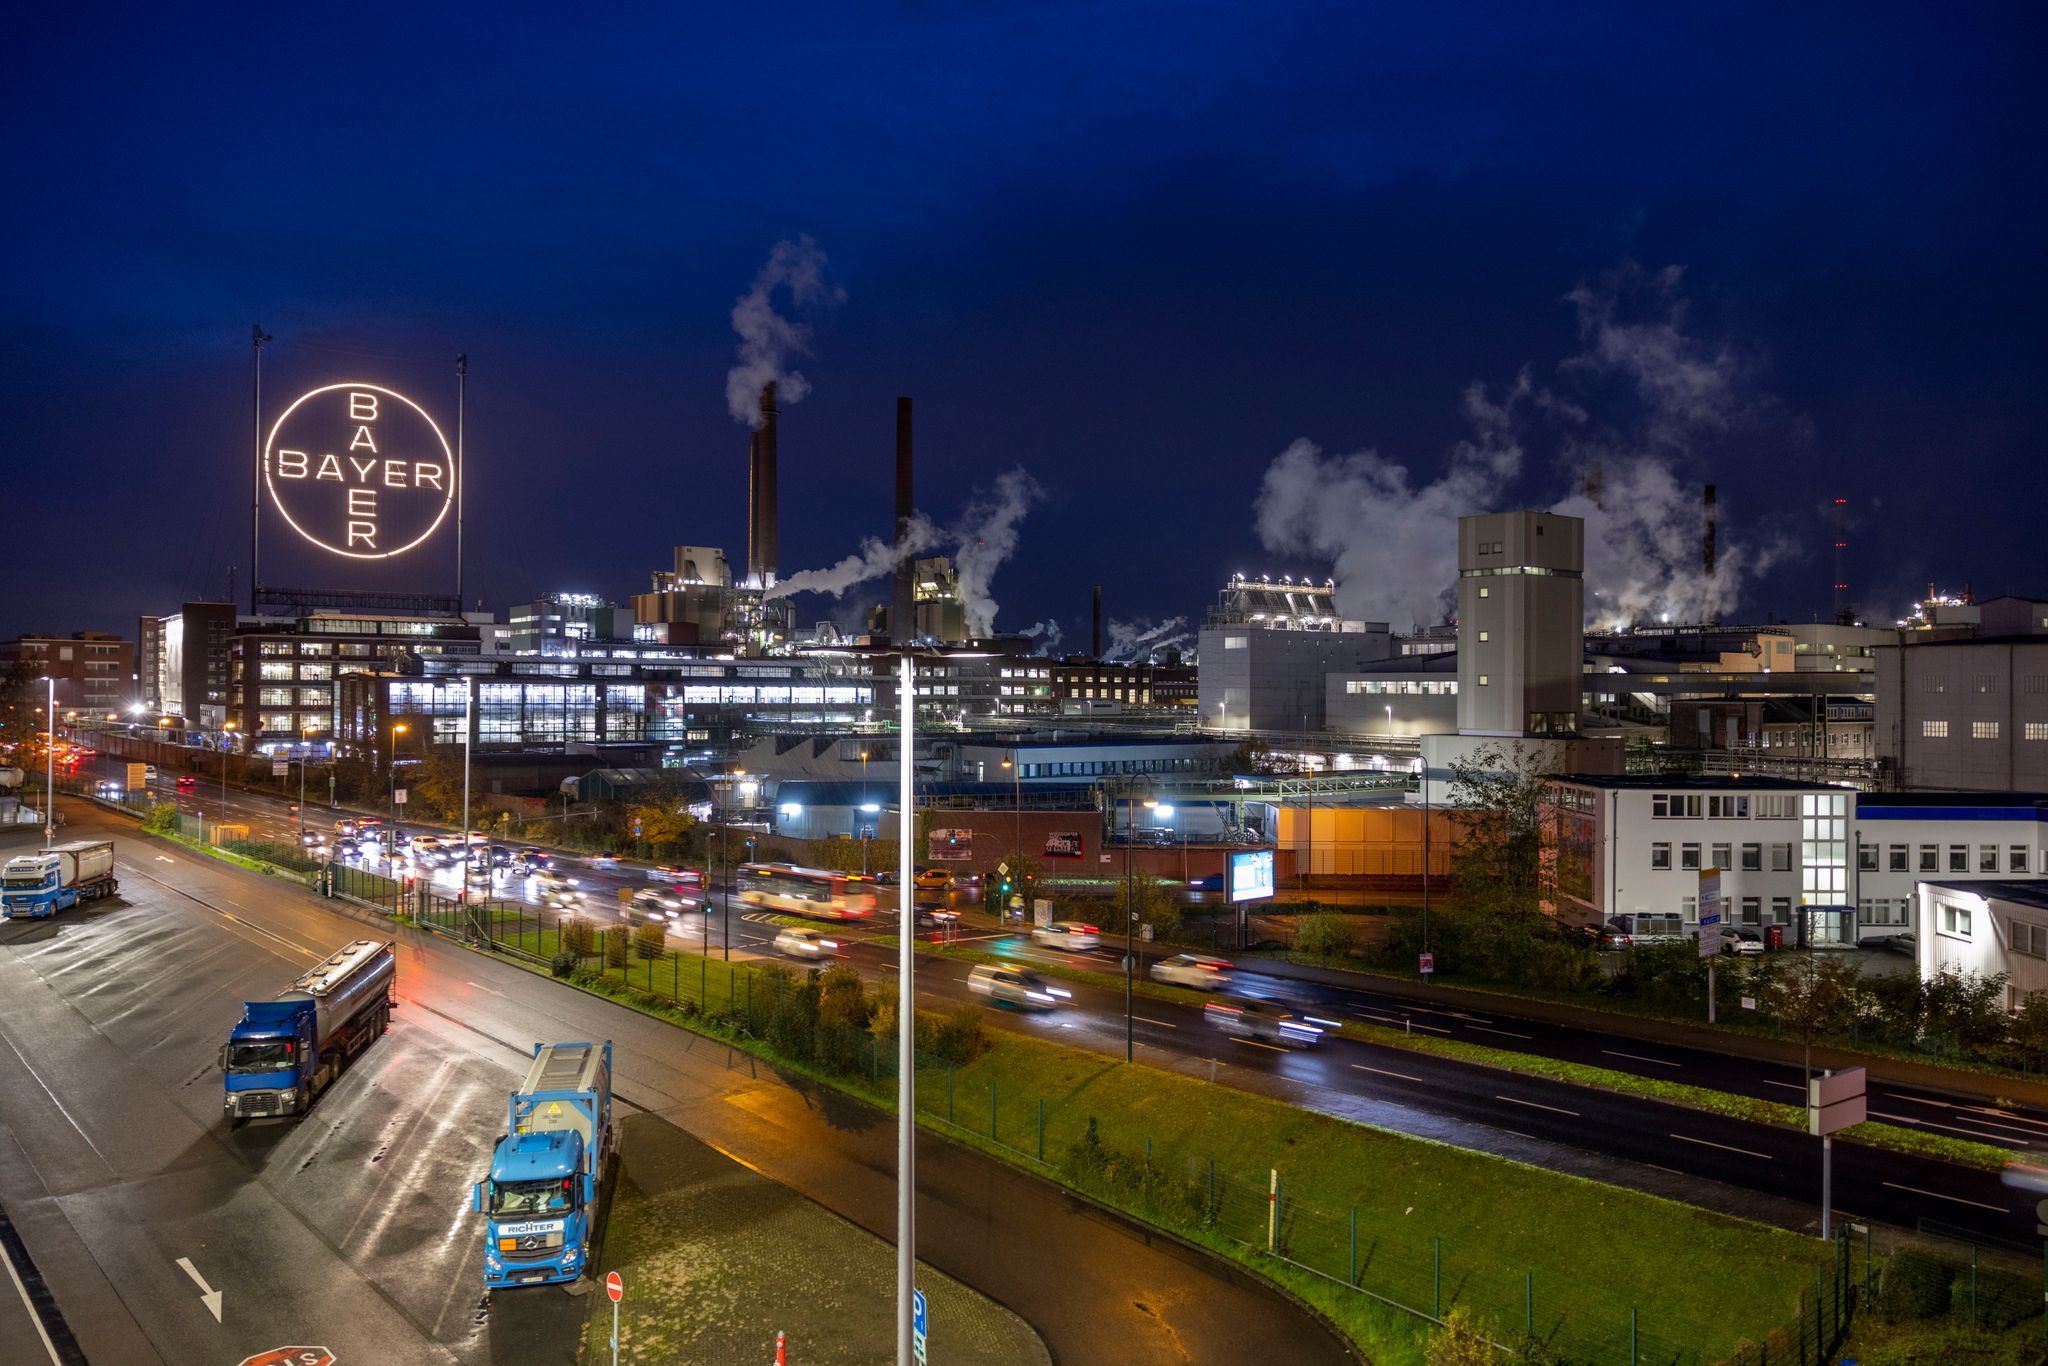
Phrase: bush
pixel 562 964
pixel 1459 1342
pixel 650 940
pixel 959 1036
pixel 614 947
pixel 162 818
pixel 578 938
pixel 2002 1300
pixel 1326 935
pixel 1915 1286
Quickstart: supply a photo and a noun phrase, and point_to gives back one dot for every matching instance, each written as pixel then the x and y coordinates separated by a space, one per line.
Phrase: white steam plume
pixel 767 339
pixel 1392 537
pixel 989 537
pixel 1394 543
pixel 875 558
pixel 1047 633
pixel 1135 640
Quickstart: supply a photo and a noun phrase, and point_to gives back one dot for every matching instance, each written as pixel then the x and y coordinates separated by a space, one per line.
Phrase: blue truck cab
pixel 541 1198
pixel 283 1053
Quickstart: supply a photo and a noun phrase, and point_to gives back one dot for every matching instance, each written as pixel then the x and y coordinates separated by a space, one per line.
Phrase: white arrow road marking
pixel 207 1294
pixel 163 858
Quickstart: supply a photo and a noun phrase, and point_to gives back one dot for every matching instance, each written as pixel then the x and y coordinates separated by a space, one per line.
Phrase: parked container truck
pixel 541 1198
pixel 285 1052
pixel 57 878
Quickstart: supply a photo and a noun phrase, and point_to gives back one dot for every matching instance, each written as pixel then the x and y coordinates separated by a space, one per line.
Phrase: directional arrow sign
pixel 207 1294
pixel 291 1356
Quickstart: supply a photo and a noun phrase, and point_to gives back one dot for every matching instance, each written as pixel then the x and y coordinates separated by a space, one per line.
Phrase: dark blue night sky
pixel 1137 250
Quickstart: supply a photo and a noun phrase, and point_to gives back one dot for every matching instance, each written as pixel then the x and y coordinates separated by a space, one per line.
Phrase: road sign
pixel 280 768
pixel 1836 1101
pixel 614 1286
pixel 398 796
pixel 1428 964
pixel 1003 868
pixel 918 1322
pixel 1710 912
pixel 291 1356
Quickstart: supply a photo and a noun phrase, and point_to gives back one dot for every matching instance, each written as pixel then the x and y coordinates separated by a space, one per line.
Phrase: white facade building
pixel 1905 838
pixel 1986 927
pixel 1635 846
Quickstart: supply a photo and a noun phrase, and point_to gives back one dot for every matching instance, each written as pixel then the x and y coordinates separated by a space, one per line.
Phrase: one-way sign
pixel 917 1324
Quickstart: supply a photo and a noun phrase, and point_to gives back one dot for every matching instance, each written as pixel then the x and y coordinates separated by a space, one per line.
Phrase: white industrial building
pixel 1266 648
pixel 1905 838
pixel 1635 846
pixel 1988 928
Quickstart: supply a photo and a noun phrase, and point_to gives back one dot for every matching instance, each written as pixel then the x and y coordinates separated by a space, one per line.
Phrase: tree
pixel 663 822
pixel 1499 792
pixel 2027 1031
pixel 1964 1007
pixel 1815 1001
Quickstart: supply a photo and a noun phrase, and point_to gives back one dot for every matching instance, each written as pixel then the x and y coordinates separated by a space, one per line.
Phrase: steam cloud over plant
pixel 1388 531
pixel 767 339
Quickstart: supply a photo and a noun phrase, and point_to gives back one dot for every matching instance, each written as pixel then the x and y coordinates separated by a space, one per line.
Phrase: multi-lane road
pixel 1642 1143
pixel 350 1228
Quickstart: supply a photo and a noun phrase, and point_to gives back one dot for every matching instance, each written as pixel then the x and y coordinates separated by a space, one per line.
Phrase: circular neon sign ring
pixel 269 449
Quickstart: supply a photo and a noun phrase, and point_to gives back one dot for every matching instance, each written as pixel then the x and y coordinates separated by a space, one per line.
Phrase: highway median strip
pixel 1893 1137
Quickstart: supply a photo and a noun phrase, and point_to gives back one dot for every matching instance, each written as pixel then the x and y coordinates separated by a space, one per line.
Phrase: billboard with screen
pixel 1251 875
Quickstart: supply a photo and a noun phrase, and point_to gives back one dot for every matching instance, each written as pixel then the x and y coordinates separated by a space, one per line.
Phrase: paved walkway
pixel 1734 1043
pixel 717 1259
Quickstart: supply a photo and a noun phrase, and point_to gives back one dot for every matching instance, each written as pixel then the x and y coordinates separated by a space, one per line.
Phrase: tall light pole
pixel 303 732
pixel 50 768
pixel 227 743
pixel 1131 926
pixel 398 728
pixel 906 1019
pixel 1017 839
pixel 864 805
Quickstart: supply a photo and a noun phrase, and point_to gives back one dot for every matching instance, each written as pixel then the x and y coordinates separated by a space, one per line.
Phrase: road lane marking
pixel 1726 1148
pixel 1539 1105
pixel 493 990
pixel 1957 1199
pixel 1788 1085
pixel 1661 1062
pixel 1149 1020
pixel 1519 1134
pixel 1487 1029
pixel 1385 1073
pixel 1254 1043
pixel 1391 1023
pixel 28 1304
pixel 163 858
pixel 1980 1136
pixel 207 1294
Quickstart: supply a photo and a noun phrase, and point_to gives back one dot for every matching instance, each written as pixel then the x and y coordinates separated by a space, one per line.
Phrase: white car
pixel 806 944
pixel 652 903
pixel 1019 987
pixel 1197 970
pixel 550 883
pixel 1068 934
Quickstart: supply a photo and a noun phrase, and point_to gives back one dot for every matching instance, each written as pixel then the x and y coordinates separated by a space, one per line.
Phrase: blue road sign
pixel 917 1324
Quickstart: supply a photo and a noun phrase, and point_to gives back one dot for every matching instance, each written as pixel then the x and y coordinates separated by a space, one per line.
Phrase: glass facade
pixel 1824 848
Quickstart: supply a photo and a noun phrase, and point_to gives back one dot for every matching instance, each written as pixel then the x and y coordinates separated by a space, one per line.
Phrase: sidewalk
pixel 1702 1036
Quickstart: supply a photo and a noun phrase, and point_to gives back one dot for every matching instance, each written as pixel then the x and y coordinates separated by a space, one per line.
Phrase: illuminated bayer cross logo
pixel 359 470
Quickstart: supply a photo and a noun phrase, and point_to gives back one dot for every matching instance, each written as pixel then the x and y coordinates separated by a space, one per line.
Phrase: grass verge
pixel 225 856
pixel 1892 1137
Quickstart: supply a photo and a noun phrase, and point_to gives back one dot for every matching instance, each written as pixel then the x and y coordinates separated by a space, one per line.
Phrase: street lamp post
pixel 1131 926
pixel 398 728
pixel 227 743
pixel 50 768
pixel 864 804
pixel 1017 837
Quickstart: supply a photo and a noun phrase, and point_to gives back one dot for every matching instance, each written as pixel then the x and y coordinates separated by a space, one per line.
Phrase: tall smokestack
pixel 1844 613
pixel 1707 551
pixel 753 506
pixel 763 556
pixel 1095 640
pixel 902 604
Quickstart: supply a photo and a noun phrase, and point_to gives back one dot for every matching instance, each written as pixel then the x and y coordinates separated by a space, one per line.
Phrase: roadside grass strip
pixel 1893 1137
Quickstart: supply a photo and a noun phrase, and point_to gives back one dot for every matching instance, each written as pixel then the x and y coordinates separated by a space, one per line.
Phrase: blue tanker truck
pixel 284 1052
pixel 541 1198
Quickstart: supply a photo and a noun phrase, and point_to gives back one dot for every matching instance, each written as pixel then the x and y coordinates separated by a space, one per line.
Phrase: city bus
pixel 805 891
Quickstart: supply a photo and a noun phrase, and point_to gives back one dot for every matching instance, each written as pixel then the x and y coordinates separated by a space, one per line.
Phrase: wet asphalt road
pixel 350 1228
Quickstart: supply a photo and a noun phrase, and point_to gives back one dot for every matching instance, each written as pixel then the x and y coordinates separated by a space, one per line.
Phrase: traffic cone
pixel 781 1350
